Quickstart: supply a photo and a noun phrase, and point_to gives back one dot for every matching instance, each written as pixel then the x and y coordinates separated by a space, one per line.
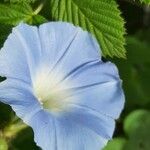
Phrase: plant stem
pixel 39 8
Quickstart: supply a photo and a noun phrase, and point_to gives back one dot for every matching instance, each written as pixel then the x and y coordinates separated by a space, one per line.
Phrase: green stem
pixel 39 8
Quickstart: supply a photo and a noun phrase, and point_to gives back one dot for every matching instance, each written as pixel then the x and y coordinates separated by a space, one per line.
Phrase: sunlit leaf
pixel 100 17
pixel 12 14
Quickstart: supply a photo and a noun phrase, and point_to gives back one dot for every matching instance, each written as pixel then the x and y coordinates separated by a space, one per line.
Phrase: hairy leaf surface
pixel 100 17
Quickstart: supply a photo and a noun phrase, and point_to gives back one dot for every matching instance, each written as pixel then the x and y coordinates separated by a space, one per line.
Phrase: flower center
pixel 52 95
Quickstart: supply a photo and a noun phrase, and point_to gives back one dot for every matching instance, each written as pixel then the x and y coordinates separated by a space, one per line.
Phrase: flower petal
pixel 73 136
pixel 106 98
pixel 97 86
pixel 63 41
pixel 95 121
pixel 43 126
pixel 20 54
pixel 19 96
pixel 51 133
pixel 71 56
pixel 92 73
pixel 79 63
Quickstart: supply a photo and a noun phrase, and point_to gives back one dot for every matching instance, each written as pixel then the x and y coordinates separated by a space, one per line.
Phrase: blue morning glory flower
pixel 58 84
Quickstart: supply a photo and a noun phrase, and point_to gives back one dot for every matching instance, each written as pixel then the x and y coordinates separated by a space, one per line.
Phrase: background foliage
pixel 123 30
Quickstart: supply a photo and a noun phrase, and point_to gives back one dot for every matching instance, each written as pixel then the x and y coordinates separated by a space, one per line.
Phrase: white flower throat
pixel 51 94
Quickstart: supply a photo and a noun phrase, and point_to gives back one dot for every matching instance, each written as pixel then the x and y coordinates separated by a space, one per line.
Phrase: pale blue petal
pixel 93 120
pixel 92 73
pixel 20 54
pixel 81 129
pixel 97 85
pixel 106 98
pixel 43 126
pixel 76 57
pixel 73 136
pixel 63 41
pixel 19 96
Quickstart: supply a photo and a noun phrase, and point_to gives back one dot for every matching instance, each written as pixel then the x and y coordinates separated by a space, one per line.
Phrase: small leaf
pixel 136 120
pixel 37 20
pixel 116 144
pixel 12 14
pixel 100 17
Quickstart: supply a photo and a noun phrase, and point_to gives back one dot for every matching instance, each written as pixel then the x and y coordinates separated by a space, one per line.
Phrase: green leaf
pixel 37 20
pixel 135 73
pixel 100 17
pixel 136 120
pixel 136 126
pixel 20 1
pixel 116 144
pixel 138 51
pixel 145 1
pixel 12 14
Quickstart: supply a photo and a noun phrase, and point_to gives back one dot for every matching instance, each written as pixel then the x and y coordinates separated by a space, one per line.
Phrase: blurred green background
pixel 133 127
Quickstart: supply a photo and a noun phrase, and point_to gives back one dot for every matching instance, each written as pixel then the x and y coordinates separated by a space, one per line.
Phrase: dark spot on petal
pixel 2 79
